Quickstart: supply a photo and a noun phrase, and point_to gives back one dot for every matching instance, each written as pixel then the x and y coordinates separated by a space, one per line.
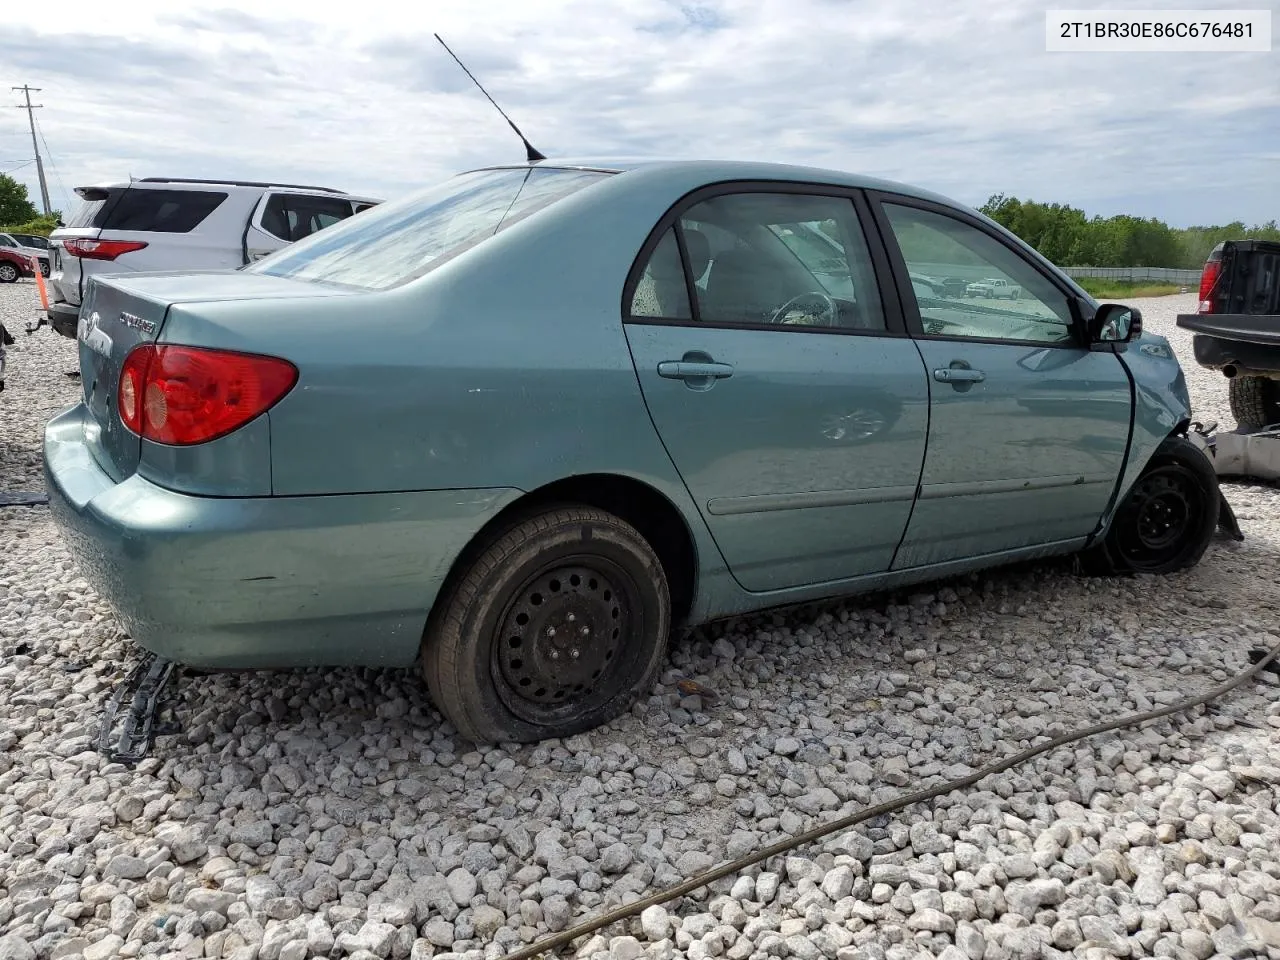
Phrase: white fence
pixel 1136 274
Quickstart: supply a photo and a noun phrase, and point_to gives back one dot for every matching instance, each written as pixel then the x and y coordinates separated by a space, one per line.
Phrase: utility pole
pixel 31 119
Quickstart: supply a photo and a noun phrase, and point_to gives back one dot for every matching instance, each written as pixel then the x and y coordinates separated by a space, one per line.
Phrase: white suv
pixel 162 223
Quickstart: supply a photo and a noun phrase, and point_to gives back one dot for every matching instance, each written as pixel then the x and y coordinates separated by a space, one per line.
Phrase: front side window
pixel 969 285
pixel 781 259
pixel 400 240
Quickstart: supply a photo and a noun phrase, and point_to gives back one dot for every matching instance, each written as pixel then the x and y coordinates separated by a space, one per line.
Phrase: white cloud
pixel 954 95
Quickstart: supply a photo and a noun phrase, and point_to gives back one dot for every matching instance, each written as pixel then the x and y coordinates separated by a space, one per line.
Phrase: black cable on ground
pixel 844 823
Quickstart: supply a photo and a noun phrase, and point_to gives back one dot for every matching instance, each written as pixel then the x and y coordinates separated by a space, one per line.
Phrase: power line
pixel 31 120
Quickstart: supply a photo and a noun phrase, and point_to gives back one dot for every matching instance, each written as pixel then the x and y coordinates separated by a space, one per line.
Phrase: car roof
pixel 716 170
pixel 179 183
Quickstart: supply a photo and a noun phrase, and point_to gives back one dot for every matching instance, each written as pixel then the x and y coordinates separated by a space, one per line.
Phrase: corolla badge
pixel 93 336
pixel 137 323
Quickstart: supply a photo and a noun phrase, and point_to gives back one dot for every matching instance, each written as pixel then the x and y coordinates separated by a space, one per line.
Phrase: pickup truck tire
pixel 1168 518
pixel 1255 401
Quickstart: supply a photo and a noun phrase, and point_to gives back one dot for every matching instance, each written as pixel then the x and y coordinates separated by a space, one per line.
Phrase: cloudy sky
pixel 956 95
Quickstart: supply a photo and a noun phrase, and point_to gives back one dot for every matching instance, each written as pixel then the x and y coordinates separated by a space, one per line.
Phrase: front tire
pixel 1167 520
pixel 555 626
pixel 1255 401
pixel 8 273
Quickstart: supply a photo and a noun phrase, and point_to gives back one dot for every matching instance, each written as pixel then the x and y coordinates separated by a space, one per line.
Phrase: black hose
pixel 782 846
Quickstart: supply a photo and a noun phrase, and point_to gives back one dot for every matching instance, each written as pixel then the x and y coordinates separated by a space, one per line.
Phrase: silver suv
pixel 164 223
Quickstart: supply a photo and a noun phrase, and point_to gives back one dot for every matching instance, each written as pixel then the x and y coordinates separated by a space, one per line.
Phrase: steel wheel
pixel 552 626
pixel 1167 519
pixel 560 650
pixel 1157 521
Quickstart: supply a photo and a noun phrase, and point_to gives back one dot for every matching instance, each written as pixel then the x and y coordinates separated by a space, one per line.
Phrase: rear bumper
pixel 243 583
pixel 64 317
pixel 1244 358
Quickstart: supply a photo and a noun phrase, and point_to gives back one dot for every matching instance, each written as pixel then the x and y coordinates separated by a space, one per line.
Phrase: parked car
pixel 15 264
pixel 993 289
pixel 163 223
pixel 1237 327
pixel 33 240
pixel 19 243
pixel 517 426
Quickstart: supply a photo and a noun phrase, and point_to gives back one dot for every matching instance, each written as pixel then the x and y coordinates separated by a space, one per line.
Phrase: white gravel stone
pixel 328 812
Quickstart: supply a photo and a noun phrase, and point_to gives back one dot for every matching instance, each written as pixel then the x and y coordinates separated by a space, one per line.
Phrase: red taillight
pixel 187 395
pixel 101 249
pixel 1208 280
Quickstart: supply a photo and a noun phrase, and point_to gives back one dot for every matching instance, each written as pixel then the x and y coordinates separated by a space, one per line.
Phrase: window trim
pixel 902 280
pixel 882 275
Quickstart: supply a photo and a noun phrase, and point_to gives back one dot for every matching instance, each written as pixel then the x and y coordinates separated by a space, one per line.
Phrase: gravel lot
pixel 330 814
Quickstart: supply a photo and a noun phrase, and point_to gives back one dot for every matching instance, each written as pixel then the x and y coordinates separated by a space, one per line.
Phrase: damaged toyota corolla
pixel 517 428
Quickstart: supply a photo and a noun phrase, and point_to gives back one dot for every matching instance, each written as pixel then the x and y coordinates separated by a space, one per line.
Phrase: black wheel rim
pixel 1159 520
pixel 563 644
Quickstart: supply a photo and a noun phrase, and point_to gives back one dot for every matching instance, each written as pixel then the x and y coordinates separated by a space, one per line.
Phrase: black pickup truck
pixel 1237 327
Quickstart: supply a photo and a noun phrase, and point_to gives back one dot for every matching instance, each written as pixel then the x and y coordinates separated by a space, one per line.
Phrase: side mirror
pixel 1115 323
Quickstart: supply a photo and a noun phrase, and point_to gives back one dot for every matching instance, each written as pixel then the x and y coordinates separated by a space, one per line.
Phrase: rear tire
pixel 8 273
pixel 1167 520
pixel 553 627
pixel 1255 401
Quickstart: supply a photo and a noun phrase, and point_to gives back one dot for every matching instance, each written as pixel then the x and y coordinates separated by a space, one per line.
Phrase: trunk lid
pixel 119 313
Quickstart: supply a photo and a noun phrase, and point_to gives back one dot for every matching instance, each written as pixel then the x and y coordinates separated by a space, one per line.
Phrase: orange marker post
pixel 44 293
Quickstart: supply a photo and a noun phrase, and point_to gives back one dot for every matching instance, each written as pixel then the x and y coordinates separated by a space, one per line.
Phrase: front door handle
pixel 958 375
pixel 693 370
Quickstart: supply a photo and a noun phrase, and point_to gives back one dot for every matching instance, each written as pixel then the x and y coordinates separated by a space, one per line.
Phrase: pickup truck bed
pixel 1237 328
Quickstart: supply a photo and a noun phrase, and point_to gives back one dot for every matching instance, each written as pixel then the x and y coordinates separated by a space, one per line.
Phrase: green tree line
pixel 1070 239
pixel 18 214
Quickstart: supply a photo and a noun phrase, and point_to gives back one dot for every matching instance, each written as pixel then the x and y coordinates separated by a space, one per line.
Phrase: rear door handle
pixel 958 375
pixel 692 370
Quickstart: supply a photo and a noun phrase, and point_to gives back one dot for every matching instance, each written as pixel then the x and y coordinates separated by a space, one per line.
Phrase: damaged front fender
pixel 1161 408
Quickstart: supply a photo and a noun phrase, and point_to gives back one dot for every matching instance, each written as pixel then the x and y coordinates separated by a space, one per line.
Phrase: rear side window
pixel 403 239
pixel 161 211
pixel 292 216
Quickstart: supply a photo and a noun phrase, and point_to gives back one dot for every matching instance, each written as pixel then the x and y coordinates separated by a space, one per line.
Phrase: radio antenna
pixel 530 151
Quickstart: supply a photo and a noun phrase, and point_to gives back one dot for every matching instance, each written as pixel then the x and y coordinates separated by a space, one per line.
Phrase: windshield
pixel 398 241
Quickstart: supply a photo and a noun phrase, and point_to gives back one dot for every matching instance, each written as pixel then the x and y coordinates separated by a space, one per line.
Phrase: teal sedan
pixel 519 427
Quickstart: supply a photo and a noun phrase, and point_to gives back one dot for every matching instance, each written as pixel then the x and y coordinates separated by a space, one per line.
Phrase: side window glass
pixel 662 291
pixel 275 217
pixel 970 285
pixel 782 259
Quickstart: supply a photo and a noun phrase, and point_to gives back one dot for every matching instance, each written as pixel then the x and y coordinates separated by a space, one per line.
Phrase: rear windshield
pixel 92 204
pixel 161 211
pixel 142 209
pixel 398 241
